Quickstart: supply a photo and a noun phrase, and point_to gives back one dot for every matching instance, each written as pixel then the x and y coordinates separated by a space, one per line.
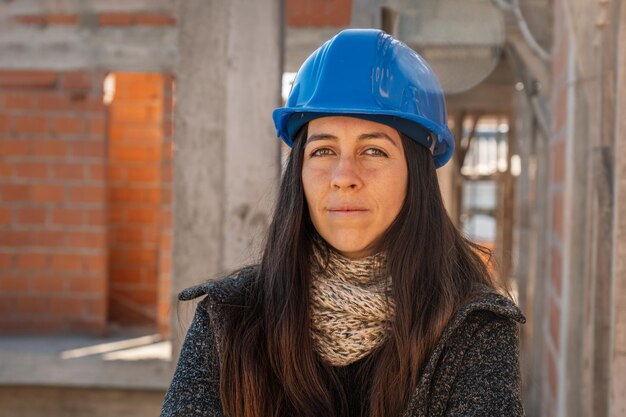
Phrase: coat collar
pixel 486 300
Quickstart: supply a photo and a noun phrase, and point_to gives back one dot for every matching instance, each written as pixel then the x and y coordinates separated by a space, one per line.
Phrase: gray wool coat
pixel 472 371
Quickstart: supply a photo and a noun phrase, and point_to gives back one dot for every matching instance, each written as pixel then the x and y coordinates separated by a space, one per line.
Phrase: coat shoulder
pixel 223 289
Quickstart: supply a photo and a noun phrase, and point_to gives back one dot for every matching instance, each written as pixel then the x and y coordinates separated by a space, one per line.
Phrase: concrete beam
pixel 10 9
pixel 71 48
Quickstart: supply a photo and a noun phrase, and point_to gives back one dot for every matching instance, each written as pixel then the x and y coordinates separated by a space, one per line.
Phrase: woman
pixel 367 300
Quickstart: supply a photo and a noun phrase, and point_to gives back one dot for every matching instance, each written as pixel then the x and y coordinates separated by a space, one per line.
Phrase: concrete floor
pixel 77 402
pixel 76 376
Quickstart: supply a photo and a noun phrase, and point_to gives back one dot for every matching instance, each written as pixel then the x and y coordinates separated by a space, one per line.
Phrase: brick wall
pixel 165 241
pixel 53 235
pixel 557 148
pixel 316 13
pixel 113 19
pixel 135 148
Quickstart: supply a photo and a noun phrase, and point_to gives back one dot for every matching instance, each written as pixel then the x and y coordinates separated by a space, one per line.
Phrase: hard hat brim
pixel 437 138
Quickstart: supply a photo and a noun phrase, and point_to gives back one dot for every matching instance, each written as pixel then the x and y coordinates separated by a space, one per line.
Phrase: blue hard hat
pixel 368 74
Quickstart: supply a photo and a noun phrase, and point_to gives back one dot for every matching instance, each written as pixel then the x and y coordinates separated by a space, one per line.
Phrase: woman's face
pixel 355 179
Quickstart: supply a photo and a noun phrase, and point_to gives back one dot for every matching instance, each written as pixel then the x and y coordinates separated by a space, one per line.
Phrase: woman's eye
pixel 374 152
pixel 322 152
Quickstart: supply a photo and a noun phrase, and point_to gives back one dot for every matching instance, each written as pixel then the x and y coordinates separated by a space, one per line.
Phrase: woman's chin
pixel 352 251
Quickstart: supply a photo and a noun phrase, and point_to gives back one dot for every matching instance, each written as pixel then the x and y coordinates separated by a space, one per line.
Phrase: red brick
pixel 15 238
pixel 47 193
pixel 89 104
pixel 92 240
pixel 35 170
pixel 31 305
pixel 47 325
pixel 13 283
pixel 127 274
pixel 116 214
pixel 97 172
pixel 76 80
pixel 7 307
pixel 49 238
pixel 6 215
pixel 135 195
pixel 116 19
pixel 165 265
pixel 315 13
pixel 67 216
pixel 87 285
pixel 32 261
pixel 14 147
pixel 68 171
pixel 137 153
pixel 134 132
pixel 138 112
pixel 14 192
pixel 558 161
pixel 166 172
pixel 557 214
pixel 127 234
pixel 555 317
pixel 133 256
pixel 151 231
pixel 47 283
pixel 62 19
pixel 166 195
pixel 560 109
pixel 556 270
pixel 553 379
pixel 30 124
pixel 31 215
pixel 116 172
pixel 155 19
pixel 18 101
pixel 166 219
pixel 560 55
pixel 31 19
pixel 96 217
pixel 132 90
pixel 18 79
pixel 168 128
pixel 87 324
pixel 66 306
pixel 95 263
pixel 142 215
pixel 88 148
pixel 94 194
pixel 47 147
pixel 96 309
pixel 66 262
pixel 141 256
pixel 5 124
pixel 53 102
pixel 166 241
pixel 143 174
pixel 6 170
pixel 97 126
pixel 143 296
pixel 6 261
pixel 69 125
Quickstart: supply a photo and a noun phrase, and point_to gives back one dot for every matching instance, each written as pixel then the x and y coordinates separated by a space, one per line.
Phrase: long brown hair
pixel 269 366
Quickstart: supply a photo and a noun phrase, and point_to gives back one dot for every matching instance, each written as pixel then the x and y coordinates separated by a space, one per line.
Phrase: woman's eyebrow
pixel 320 136
pixel 377 135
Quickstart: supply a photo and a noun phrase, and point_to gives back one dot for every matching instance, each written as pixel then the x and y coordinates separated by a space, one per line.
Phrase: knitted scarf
pixel 350 311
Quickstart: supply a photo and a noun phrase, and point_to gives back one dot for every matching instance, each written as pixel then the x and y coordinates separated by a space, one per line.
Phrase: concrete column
pixel 618 354
pixel 226 159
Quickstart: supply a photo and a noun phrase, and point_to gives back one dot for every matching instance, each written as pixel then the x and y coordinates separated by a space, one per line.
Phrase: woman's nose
pixel 346 174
